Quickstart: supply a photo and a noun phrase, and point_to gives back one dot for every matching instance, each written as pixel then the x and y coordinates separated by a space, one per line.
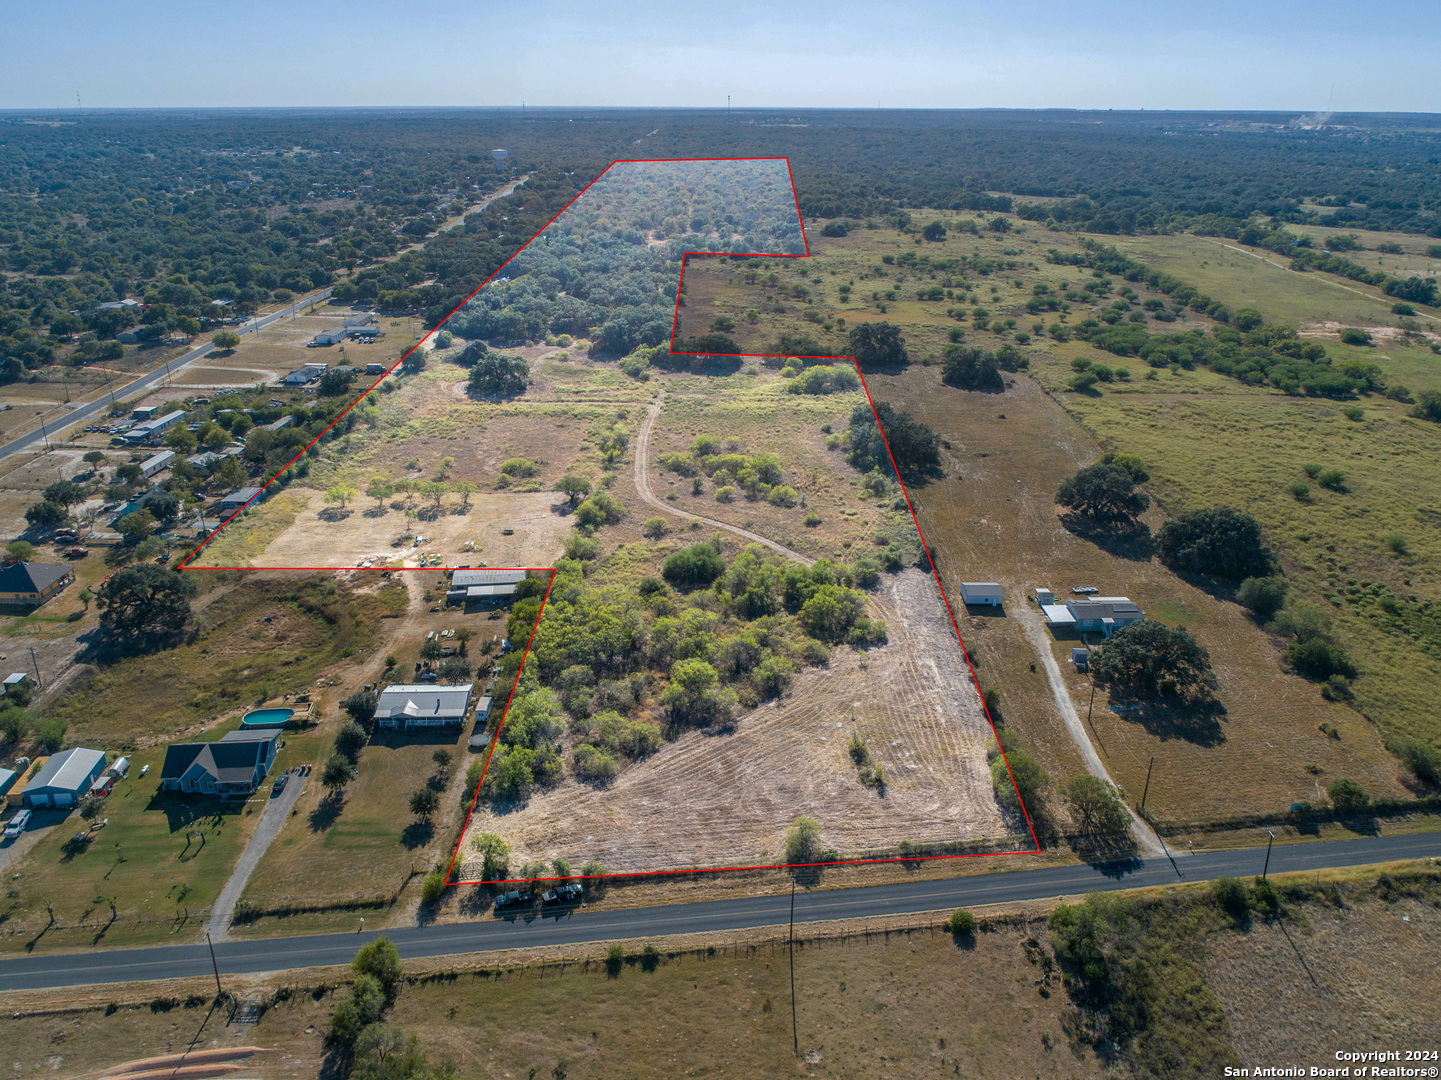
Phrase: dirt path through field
pixel 726 798
pixel 642 486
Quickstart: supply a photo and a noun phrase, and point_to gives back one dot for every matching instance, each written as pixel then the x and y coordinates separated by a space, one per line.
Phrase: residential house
pixel 1105 614
pixel 422 706
pixel 148 430
pixel 235 765
pixel 33 583
pixel 152 465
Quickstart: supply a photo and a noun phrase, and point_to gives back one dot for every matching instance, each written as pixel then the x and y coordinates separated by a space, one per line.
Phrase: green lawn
pixel 142 860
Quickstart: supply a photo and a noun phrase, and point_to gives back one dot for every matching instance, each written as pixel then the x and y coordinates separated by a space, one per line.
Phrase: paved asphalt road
pixel 80 413
pixel 278 954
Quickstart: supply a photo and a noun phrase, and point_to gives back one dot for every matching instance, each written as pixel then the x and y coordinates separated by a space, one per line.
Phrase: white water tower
pixel 500 156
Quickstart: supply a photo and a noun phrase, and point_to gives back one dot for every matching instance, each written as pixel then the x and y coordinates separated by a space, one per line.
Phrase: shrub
pixel 1299 489
pixel 693 567
pixel 1353 336
pixel 803 841
pixel 1348 796
pixel 494 853
pixel 1427 407
pixel 602 508
pixel 653 528
pixel 1317 658
pixel 1263 595
pixel 971 369
pixel 1421 758
pixel 1396 542
pixel 1334 479
pixel 1029 780
pixel 432 888
pixel 1219 541
pixel 962 923
pixel 356 1008
pixel 1231 897
pixel 1265 897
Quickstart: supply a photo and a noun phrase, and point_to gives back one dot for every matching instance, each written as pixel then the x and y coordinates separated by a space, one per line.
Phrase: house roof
pixel 407 700
pixel 485 576
pixel 478 591
pixel 69 770
pixel 228 762
pixel 1105 607
pixel 241 495
pixel 31 577
pixel 248 735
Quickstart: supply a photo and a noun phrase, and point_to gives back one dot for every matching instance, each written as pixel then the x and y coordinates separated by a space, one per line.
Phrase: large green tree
pixel 1218 540
pixel 879 345
pixel 1149 656
pixel 145 606
pixel 1103 495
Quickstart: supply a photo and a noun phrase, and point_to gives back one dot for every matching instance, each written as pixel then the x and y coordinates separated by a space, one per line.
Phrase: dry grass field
pixel 717 799
pixel 1206 440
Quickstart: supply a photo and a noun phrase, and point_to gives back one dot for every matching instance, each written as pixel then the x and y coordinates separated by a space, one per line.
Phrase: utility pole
pixel 795 1031
pixel 36 664
pixel 1269 842
pixel 213 965
pixel 1148 783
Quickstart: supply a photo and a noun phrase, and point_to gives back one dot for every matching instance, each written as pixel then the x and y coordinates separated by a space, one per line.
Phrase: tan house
pixel 32 584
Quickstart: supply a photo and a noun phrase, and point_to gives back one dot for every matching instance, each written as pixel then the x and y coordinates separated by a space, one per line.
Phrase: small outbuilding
pixel 64 778
pixel 1081 658
pixel 237 500
pixel 984 593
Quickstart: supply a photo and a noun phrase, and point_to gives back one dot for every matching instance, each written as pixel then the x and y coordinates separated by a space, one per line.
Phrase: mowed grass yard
pixel 142 859
pixel 362 848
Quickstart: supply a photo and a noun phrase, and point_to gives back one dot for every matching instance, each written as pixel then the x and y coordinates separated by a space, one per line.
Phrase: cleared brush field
pixel 727 798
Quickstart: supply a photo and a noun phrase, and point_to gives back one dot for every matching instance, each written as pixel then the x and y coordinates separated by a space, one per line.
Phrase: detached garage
pixel 65 777
pixel 981 592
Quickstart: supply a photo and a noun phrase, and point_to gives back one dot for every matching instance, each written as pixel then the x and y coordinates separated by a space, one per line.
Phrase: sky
pixel 1159 54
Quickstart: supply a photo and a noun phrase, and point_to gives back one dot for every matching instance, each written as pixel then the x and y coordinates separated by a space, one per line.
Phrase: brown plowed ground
pixel 726 799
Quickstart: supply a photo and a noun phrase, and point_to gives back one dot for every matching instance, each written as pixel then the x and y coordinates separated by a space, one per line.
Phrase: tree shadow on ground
pixel 1131 542
pixel 476 902
pixel 1113 856
pixel 417 834
pixel 326 813
pixel 374 512
pixel 333 514
pixel 1194 721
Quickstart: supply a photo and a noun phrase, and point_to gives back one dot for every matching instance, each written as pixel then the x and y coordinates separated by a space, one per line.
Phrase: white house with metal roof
pixel 422 705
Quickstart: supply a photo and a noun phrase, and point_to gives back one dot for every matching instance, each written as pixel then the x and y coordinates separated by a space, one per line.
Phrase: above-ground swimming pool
pixel 267 718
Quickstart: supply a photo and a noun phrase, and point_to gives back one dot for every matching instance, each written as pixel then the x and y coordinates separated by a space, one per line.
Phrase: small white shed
pixel 986 593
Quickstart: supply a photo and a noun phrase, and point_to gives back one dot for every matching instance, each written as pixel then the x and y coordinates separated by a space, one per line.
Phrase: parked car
pixel 77 553
pixel 562 894
pixel 428 676
pixel 515 898
pixel 280 783
pixel 17 825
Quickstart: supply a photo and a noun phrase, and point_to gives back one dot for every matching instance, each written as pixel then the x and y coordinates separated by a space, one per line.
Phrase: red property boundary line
pixel 184 564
